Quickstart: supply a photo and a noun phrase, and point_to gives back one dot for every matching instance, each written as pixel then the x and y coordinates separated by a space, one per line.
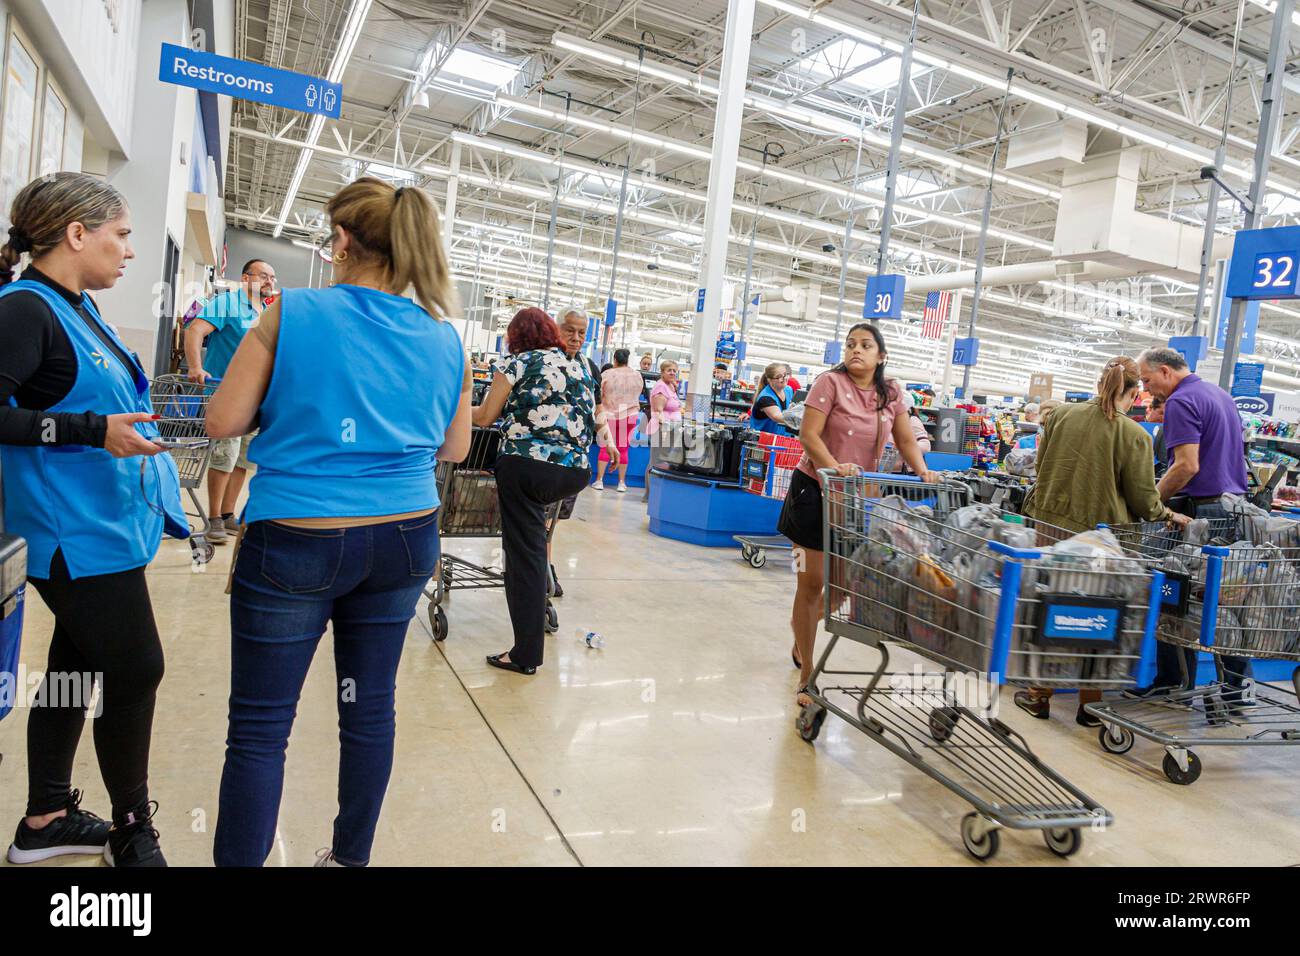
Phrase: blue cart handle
pixel 1213 582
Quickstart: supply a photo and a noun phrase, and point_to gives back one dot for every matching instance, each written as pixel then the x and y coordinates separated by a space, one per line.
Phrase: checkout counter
pixel 696 493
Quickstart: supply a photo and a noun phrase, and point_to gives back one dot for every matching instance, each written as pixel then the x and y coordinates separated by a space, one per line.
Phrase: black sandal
pixel 496 661
pixel 1033 704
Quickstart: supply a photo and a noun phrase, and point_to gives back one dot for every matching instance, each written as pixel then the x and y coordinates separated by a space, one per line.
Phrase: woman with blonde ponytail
pixel 1095 466
pixel 85 485
pixel 360 391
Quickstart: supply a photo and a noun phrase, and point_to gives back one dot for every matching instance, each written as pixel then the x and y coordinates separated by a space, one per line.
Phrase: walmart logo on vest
pixel 100 358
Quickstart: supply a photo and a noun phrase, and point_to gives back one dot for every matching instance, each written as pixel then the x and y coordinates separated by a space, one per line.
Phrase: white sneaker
pixel 598 485
pixel 217 533
pixel 622 488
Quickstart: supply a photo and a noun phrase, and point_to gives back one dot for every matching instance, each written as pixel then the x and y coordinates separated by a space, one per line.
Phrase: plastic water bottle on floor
pixel 590 638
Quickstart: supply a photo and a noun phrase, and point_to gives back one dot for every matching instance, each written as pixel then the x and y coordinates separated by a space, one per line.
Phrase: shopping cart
pixel 183 406
pixel 766 467
pixel 904 566
pixel 1238 598
pixel 467 491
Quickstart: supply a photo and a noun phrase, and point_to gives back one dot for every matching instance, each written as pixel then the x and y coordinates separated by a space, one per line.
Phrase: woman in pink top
pixel 665 406
pixel 850 413
pixel 620 406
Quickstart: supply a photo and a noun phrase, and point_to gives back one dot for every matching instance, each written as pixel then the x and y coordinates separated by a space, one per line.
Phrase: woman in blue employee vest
pixel 772 400
pixel 360 392
pixel 86 486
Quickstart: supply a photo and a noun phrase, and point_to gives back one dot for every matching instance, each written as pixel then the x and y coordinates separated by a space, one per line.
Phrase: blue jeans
pixel 288 584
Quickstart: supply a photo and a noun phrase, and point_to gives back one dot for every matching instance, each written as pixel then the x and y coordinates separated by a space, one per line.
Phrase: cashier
pixel 767 414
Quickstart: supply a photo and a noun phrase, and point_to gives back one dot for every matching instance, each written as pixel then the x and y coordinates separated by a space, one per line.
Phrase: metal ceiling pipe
pixel 673 306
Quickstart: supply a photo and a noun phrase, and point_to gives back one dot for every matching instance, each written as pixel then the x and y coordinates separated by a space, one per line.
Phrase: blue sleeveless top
pixel 364 386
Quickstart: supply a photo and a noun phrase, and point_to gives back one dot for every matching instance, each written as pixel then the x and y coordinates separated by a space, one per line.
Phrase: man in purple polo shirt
pixel 1206 459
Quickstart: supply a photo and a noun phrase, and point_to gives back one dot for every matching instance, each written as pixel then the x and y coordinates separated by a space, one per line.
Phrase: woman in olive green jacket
pixel 1095 466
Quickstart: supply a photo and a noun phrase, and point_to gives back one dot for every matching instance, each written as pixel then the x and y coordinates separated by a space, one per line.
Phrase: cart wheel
pixel 809 722
pixel 438 622
pixel 746 552
pixel 1118 740
pixel 757 559
pixel 1177 774
pixel 552 618
pixel 943 721
pixel 983 847
pixel 1063 841
pixel 201 549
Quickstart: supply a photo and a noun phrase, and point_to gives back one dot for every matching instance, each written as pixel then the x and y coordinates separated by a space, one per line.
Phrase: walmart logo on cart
pixel 1081 622
pixel 1094 623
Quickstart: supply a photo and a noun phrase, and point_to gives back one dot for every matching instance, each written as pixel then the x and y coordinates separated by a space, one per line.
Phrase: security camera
pixel 1209 172
pixel 828 247
pixel 652 266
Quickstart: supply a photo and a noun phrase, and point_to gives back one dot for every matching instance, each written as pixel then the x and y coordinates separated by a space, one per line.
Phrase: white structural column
pixel 155 181
pixel 449 210
pixel 722 190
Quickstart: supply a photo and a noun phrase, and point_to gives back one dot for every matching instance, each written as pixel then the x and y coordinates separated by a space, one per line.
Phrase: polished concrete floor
pixel 672 745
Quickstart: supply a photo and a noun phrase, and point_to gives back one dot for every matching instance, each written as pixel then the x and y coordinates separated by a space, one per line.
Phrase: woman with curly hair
pixel 548 401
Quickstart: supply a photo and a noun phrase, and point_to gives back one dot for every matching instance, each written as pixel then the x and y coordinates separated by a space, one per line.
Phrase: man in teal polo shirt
pixel 224 321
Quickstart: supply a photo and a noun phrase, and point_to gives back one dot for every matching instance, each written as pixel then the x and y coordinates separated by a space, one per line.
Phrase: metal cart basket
pixel 1237 599
pixel 909 563
pixel 766 467
pixel 183 406
pixel 467 491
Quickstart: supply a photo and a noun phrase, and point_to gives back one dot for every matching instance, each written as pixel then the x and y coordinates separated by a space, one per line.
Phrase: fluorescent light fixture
pixel 347 43
pixel 799 113
pixel 1033 93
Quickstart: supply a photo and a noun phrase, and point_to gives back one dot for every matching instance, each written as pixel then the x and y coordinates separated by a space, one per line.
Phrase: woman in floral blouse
pixel 547 403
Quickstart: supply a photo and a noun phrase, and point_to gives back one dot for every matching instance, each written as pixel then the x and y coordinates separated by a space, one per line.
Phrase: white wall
pixel 94 63
pixel 293 264
pixel 223 16
pixel 154 181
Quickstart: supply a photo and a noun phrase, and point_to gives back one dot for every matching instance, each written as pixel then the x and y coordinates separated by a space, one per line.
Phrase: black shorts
pixel 801 515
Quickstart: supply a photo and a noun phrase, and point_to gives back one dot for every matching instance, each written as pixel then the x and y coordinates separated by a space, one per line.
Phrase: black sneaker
pixel 80 832
pixel 133 841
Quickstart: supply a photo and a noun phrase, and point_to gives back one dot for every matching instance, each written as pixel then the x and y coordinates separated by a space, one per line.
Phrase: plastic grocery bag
pixel 1260 526
pixel 793 417
pixel 1022 462
pixel 931 606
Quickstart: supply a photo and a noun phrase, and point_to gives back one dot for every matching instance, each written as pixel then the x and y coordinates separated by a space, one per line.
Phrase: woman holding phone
pixel 86 485
pixel 850 413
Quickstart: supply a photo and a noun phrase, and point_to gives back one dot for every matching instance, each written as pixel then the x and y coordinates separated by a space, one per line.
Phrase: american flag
pixel 935 316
